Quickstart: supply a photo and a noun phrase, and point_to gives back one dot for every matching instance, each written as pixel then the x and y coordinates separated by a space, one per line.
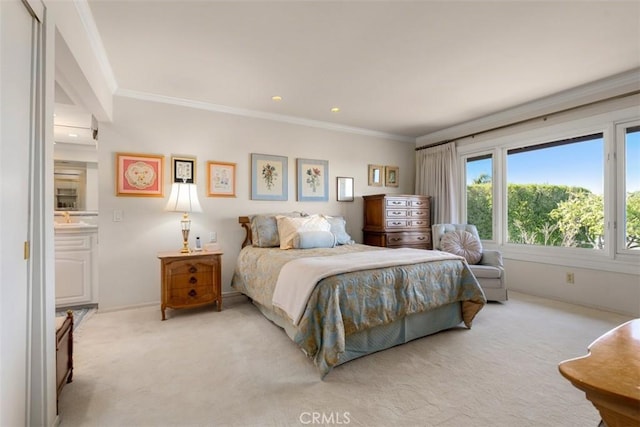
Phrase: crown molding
pixel 89 24
pixel 599 90
pixel 145 96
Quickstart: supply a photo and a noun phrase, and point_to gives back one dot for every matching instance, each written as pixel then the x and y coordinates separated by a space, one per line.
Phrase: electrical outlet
pixel 570 278
pixel 213 237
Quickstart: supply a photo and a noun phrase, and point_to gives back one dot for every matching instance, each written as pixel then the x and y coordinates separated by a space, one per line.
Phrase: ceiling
pixel 402 68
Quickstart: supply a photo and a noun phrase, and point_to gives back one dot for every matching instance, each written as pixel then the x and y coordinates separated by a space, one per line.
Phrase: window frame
pixel 463 181
pixel 553 129
pixel 620 159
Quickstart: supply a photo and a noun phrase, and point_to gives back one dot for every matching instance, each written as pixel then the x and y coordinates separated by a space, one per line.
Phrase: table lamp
pixel 184 198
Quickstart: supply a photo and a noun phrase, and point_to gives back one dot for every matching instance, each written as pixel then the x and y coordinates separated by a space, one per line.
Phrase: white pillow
pixel 288 227
pixel 464 244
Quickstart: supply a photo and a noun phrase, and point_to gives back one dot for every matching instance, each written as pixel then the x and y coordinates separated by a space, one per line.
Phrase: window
pixel 479 176
pixel 555 193
pixel 630 186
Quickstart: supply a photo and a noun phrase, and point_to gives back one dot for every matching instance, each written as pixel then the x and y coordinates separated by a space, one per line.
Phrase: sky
pixel 578 165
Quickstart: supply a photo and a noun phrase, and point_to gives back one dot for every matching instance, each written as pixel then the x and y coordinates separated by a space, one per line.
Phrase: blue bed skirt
pixel 382 337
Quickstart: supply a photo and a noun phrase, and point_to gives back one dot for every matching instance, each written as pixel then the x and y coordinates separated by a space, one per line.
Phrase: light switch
pixel 117 215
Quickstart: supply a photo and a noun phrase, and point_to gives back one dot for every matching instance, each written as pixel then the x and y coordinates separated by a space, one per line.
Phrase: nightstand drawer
pixel 191 295
pixel 191 280
pixel 179 268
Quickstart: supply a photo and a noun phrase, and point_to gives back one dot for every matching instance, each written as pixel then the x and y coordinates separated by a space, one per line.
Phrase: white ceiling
pixel 397 67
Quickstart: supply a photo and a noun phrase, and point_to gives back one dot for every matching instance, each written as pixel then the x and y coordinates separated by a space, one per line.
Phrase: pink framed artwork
pixel 139 175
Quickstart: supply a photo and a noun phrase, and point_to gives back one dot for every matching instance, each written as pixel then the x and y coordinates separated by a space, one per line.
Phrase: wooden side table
pixel 610 375
pixel 190 280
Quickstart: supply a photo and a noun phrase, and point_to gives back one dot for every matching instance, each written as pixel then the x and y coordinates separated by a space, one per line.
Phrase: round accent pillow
pixel 464 244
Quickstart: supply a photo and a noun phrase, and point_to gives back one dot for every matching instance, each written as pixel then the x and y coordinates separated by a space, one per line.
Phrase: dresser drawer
pixel 397 203
pixel 419 223
pixel 397 223
pixel 397 213
pixel 418 213
pixel 408 238
pixel 418 203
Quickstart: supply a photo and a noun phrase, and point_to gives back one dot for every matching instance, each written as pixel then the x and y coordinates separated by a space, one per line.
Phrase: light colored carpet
pixel 235 368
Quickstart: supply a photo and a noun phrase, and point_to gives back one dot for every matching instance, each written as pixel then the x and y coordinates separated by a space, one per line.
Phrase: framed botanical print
pixel 391 176
pixel 375 175
pixel 221 179
pixel 269 177
pixel 183 169
pixel 313 180
pixel 139 175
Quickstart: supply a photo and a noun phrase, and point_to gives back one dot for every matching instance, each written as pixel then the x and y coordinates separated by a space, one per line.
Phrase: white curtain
pixel 437 176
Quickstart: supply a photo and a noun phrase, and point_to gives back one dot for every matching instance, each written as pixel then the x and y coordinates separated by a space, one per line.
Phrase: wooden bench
pixel 64 352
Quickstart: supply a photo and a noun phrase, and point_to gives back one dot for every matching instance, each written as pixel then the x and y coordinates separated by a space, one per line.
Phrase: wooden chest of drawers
pixel 190 280
pixel 396 221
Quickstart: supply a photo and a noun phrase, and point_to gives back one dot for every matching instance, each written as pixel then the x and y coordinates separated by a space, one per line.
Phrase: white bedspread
pixel 299 277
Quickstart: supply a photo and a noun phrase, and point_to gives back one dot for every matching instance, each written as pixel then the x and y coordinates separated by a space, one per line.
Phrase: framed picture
pixel 183 169
pixel 269 177
pixel 345 189
pixel 313 180
pixel 375 175
pixel 221 179
pixel 391 176
pixel 139 175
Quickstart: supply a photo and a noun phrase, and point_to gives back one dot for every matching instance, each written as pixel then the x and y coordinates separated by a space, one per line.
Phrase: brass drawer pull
pixel 396 223
pixel 192 293
pixel 421 238
pixel 193 280
pixel 395 239
pixel 193 269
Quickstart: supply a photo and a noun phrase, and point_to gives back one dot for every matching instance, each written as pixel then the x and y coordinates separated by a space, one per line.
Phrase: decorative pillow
pixel 314 239
pixel 288 227
pixel 264 229
pixel 464 244
pixel 338 224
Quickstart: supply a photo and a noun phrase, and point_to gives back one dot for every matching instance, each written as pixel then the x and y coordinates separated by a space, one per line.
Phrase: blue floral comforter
pixel 350 302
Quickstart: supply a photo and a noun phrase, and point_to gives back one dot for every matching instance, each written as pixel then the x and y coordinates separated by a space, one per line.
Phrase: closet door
pixel 18 88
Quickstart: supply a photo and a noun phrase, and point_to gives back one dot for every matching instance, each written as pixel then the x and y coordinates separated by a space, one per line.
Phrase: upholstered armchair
pixel 485 264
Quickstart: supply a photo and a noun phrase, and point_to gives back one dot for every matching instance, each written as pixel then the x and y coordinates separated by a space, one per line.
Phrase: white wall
pixel 606 290
pixel 129 271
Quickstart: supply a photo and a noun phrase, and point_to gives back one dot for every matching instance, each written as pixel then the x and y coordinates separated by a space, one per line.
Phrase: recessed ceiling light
pixel 276 98
pixel 73 135
pixel 335 110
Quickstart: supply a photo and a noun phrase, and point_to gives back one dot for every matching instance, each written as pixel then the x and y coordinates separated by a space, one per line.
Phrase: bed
pixel 351 311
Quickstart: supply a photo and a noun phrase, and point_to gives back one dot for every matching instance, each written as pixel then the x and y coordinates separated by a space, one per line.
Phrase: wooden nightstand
pixel 190 280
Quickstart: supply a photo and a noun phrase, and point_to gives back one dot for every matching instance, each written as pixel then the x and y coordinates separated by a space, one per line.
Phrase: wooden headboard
pixel 246 224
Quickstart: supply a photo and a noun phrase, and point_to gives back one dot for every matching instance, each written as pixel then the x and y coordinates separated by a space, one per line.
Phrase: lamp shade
pixel 183 198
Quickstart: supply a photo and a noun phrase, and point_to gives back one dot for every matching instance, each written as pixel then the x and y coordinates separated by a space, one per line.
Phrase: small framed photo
pixel 391 176
pixel 375 175
pixel 313 180
pixel 183 169
pixel 139 175
pixel 221 179
pixel 345 189
pixel 269 177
